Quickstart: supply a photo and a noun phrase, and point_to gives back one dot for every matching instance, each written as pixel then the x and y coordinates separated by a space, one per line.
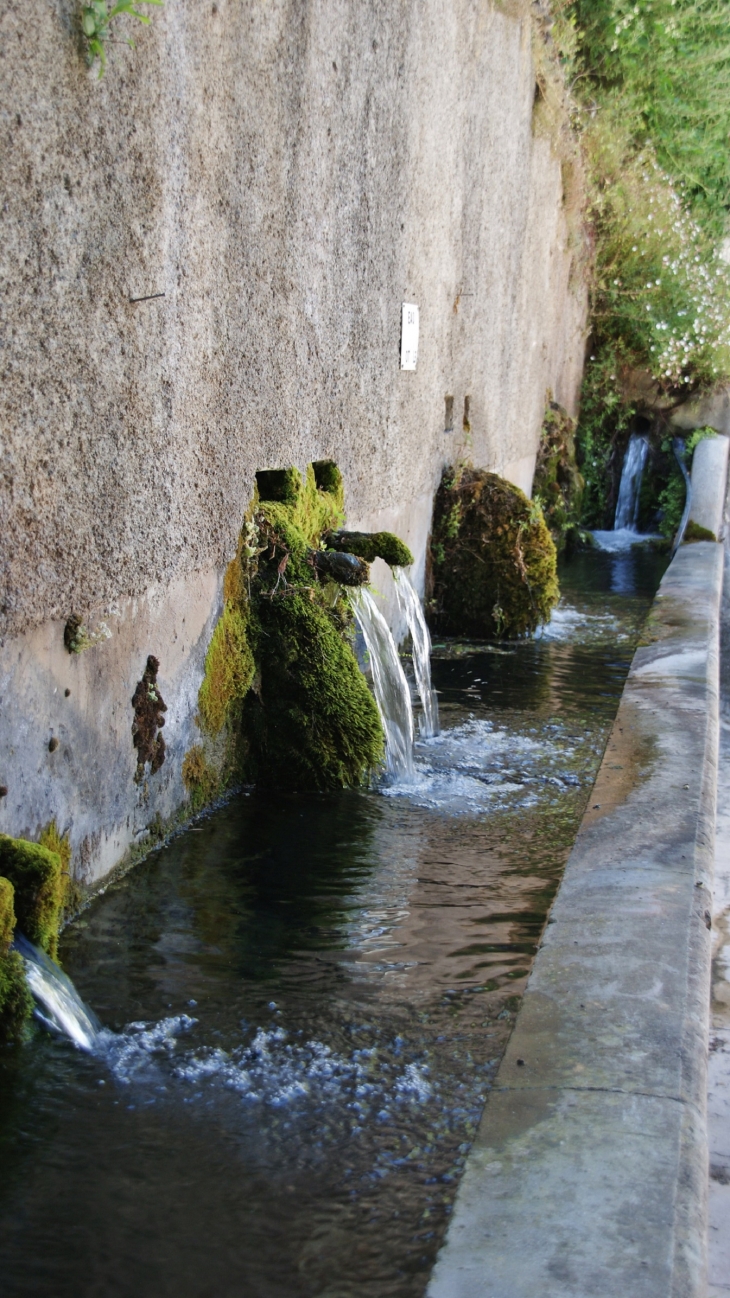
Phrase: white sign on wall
pixel 409 336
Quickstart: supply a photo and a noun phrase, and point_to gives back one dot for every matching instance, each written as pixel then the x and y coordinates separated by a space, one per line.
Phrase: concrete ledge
pixel 588 1178
pixel 709 475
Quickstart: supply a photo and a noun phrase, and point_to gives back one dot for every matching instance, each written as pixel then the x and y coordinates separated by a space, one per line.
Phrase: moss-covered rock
pixel 313 723
pixel 371 546
pixel 493 561
pixel 16 1003
pixel 283 701
pixel 40 889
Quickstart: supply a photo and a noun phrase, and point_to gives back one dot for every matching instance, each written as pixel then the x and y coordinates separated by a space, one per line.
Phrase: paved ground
pixel 719 1063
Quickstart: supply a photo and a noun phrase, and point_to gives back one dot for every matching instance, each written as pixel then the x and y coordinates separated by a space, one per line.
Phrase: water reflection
pixel 311 996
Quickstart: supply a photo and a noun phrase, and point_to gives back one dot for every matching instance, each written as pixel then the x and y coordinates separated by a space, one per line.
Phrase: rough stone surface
pixel 286 175
pixel 589 1173
pixel 275 181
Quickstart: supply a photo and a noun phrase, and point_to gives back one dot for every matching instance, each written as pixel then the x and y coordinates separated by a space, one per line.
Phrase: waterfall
pixel 58 1004
pixel 410 606
pixel 392 694
pixel 627 508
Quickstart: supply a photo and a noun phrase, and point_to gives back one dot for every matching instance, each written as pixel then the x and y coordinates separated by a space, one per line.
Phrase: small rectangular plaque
pixel 409 336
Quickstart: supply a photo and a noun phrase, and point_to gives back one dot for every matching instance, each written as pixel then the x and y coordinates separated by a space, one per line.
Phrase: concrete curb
pixel 588 1178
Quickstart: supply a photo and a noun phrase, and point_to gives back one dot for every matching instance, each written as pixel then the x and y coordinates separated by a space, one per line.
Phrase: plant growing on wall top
pixel 96 18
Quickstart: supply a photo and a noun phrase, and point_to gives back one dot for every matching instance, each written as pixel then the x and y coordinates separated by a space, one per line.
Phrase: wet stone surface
pixel 307 999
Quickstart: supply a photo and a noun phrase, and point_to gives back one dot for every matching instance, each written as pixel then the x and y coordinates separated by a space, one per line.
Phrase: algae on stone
pixel 371 546
pixel 16 1003
pixel 40 889
pixel 493 561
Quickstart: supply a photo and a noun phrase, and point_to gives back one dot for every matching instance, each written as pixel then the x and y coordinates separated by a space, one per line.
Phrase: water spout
pixel 58 1004
pixel 410 606
pixel 627 508
pixel 392 694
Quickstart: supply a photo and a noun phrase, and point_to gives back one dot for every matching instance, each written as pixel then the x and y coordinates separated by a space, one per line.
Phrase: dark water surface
pixel 310 997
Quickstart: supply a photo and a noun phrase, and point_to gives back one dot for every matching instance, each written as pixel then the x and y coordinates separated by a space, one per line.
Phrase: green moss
pixel 328 478
pixel 558 485
pixel 16 1002
pixel 314 723
pixel 493 561
pixel 282 687
pixel 229 669
pixel 201 780
pixel 372 545
pixel 693 532
pixel 40 889
pixel 51 838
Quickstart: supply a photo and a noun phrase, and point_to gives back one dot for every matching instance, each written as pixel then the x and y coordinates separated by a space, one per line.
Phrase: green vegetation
pixel 651 99
pixel 373 545
pixel 311 722
pixel 493 560
pixel 558 486
pixel 283 701
pixel 15 999
pixel 96 18
pixel 40 885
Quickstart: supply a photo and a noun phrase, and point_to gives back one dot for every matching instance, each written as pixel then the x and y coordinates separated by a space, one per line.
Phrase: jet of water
pixel 627 508
pixel 58 1004
pixel 410 606
pixel 392 694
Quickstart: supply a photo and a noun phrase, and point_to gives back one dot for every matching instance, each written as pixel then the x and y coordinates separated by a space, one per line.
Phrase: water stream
pixel 305 999
pixel 625 533
pixel 389 684
pixel 410 606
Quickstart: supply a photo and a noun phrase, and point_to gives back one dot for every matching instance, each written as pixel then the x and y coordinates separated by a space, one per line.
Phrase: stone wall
pixel 204 257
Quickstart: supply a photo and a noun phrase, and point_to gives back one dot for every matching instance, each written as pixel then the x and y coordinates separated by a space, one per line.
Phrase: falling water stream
pixel 412 610
pixel 625 533
pixel 389 684
pixel 305 998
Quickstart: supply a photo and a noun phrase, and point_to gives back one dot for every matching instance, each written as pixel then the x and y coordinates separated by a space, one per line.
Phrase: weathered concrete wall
pixel 286 175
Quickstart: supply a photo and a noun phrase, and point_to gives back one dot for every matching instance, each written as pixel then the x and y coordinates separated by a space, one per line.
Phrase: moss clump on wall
pixel 558 485
pixel 313 723
pixel 40 889
pixel 371 546
pixel 201 780
pixel 493 561
pixel 283 697
pixel 229 669
pixel 693 532
pixel 16 1003
pixel 51 838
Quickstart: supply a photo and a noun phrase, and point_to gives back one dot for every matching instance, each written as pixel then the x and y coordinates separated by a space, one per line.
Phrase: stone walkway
pixel 719 1062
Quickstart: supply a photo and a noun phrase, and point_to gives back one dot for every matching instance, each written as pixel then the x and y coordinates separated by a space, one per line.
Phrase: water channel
pixel 307 997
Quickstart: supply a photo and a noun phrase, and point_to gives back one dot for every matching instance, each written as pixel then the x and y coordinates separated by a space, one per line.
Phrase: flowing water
pixel 412 610
pixel 305 1000
pixel 389 684
pixel 625 534
pixel 627 507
